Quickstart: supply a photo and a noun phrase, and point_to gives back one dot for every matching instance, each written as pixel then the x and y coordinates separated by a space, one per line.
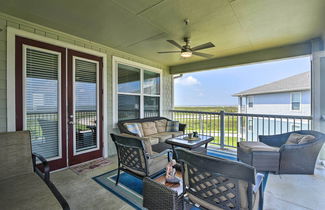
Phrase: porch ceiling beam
pixel 293 50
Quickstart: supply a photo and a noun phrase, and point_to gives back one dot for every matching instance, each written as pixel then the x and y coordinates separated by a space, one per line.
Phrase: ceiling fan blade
pixel 169 52
pixel 175 44
pixel 203 46
pixel 202 54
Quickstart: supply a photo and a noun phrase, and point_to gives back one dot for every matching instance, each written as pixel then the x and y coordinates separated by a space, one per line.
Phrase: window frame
pixel 291 101
pixel 142 67
pixel 248 101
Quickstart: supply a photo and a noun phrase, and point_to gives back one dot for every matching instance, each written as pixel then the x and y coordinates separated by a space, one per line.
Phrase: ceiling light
pixel 186 54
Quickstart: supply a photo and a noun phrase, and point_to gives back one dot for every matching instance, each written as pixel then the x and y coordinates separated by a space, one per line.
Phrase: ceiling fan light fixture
pixel 186 54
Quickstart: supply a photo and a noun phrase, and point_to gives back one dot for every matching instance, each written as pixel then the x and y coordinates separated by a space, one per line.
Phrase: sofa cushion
pixel 149 128
pixel 162 136
pixel 135 128
pixel 257 147
pixel 15 154
pixel 296 138
pixel 161 125
pixel 172 126
pixel 27 191
pixel 177 133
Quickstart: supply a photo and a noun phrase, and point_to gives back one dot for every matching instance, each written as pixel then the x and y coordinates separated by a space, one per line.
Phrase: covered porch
pixel 69 71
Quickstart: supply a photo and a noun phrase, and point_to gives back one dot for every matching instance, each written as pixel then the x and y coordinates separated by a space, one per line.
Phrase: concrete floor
pixel 283 192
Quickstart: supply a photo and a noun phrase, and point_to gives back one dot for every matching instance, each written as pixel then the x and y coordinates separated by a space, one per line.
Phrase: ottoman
pixel 262 156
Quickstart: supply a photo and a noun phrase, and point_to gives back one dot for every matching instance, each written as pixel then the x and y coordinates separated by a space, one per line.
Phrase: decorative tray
pixel 191 139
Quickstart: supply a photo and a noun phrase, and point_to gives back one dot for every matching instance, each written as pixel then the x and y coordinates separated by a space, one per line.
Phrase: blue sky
pixel 216 87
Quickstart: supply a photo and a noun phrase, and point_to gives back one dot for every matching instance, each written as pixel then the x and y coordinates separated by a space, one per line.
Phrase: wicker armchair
pixel 213 182
pixel 296 158
pixel 133 158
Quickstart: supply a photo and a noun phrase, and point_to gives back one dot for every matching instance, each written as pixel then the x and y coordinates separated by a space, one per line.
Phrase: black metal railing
pixel 230 128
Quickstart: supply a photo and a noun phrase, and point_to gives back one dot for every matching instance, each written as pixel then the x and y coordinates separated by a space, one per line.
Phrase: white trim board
pixel 118 60
pixel 11 107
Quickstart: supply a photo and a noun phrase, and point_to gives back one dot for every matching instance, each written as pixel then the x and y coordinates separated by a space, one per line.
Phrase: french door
pixel 59 100
pixel 84 107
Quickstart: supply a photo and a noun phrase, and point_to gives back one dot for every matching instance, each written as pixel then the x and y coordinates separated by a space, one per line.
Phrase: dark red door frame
pixel 20 41
pixel 75 159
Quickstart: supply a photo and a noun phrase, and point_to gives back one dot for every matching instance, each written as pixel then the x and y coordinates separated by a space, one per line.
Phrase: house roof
pixel 294 83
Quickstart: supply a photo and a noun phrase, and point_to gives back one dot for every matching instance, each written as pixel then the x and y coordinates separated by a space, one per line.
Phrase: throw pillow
pixel 172 126
pixel 296 138
pixel 161 125
pixel 149 128
pixel 134 128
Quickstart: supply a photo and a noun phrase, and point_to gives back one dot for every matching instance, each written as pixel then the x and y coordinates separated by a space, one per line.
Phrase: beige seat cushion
pixel 296 138
pixel 15 154
pixel 257 146
pixel 154 164
pixel 27 192
pixel 157 164
pixel 149 128
pixel 162 136
pixel 176 133
pixel 161 125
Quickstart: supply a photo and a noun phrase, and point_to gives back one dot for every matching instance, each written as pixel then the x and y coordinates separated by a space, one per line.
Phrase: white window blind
pixel 42 104
pixel 85 104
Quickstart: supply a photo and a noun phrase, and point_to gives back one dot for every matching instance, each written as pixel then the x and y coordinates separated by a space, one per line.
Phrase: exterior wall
pixel 6 20
pixel 280 104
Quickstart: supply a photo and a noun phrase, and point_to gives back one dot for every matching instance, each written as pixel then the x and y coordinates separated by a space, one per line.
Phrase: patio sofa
pixel 289 153
pixel 153 130
pixel 22 184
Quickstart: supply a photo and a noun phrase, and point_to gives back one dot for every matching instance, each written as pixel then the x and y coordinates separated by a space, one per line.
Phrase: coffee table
pixel 190 144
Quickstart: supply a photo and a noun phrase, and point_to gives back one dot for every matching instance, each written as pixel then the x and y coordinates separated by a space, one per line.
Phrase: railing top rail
pixel 248 115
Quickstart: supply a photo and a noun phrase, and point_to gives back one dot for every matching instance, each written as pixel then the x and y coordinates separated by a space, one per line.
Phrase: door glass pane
pixel 128 107
pixel 85 105
pixel 151 84
pixel 128 79
pixel 151 106
pixel 42 104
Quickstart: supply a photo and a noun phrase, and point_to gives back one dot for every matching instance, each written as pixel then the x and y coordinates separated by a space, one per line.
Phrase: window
pixel 296 101
pixel 250 101
pixel 138 90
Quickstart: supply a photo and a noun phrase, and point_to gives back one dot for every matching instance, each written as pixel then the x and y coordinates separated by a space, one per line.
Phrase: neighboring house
pixel 288 96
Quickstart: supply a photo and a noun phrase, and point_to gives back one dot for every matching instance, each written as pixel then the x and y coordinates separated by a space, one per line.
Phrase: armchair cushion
pixel 27 191
pixel 296 138
pixel 257 147
pixel 161 125
pixel 15 154
pixel 135 128
pixel 149 128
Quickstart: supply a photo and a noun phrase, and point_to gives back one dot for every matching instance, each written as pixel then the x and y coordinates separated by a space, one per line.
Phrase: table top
pixel 179 141
pixel 176 187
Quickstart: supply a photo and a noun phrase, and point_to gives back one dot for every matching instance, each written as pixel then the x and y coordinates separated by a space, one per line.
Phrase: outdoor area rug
pixel 130 188
pixel 83 168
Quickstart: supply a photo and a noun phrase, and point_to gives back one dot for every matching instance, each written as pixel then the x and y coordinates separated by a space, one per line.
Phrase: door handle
pixel 71 122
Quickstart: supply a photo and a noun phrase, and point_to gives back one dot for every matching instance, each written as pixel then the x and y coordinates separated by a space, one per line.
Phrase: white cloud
pixel 187 81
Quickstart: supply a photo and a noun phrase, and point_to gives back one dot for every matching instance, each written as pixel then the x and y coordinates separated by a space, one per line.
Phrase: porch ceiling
pixel 141 27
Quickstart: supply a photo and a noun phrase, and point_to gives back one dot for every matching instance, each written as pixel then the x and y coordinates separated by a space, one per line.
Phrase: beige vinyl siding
pixel 6 20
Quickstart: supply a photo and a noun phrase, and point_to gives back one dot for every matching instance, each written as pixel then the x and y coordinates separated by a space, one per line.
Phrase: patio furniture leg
pixel 118 175
pixel 206 145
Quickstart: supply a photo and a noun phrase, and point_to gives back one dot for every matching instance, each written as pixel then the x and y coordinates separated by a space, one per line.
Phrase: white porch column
pixel 318 94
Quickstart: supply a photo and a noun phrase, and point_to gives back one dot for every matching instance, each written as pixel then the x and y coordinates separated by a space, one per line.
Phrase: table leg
pixel 206 145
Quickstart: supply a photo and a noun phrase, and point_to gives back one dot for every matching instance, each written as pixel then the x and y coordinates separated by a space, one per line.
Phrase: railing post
pixel 222 129
pixel 201 123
